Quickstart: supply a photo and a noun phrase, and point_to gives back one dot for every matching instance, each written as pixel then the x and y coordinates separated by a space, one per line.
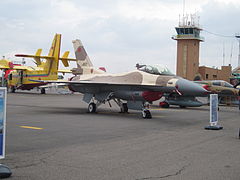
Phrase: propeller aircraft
pixel 45 70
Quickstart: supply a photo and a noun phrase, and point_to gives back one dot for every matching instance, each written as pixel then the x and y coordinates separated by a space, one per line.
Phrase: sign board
pixel 3 98
pixel 213 109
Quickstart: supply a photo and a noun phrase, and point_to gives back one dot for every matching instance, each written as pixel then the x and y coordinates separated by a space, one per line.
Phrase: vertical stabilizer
pixel 81 54
pixel 84 65
pixel 51 64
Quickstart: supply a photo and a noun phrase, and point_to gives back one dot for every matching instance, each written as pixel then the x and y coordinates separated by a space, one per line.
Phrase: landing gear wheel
pixel 43 91
pixel 146 114
pixel 92 108
pixel 164 104
pixel 124 108
pixel 12 89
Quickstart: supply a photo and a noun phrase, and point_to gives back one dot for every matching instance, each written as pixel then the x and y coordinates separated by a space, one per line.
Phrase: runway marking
pixel 29 127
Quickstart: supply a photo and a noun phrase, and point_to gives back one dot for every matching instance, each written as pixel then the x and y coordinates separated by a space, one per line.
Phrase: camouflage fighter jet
pixel 187 99
pixel 220 87
pixel 227 94
pixel 131 90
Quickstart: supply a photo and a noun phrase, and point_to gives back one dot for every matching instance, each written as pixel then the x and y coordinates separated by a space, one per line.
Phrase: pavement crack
pixel 166 176
pixel 42 160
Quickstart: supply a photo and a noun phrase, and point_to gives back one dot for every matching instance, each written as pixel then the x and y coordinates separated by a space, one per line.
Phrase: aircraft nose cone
pixel 189 88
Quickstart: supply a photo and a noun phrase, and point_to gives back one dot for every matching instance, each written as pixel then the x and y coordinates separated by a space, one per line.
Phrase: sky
pixel 117 34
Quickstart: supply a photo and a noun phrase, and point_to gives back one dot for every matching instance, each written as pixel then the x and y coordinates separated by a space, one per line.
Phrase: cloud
pixel 117 31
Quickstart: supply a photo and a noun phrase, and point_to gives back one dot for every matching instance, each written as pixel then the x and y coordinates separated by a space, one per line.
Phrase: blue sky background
pixel 117 34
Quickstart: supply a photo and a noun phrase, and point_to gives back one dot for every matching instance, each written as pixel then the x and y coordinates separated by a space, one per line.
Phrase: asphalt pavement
pixel 53 137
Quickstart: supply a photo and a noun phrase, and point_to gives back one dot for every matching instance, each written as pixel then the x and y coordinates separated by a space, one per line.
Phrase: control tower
pixel 188 40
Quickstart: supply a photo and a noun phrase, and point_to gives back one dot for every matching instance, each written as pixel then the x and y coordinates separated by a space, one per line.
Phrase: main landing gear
pixel 43 91
pixel 92 107
pixel 94 104
pixel 123 106
pixel 12 89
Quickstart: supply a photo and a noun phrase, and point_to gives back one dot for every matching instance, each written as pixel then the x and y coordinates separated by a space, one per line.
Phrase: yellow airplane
pixel 45 70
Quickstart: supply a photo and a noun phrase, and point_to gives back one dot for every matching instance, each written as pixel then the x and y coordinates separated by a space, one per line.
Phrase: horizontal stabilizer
pixel 68 59
pixel 37 59
pixel 64 60
pixel 34 56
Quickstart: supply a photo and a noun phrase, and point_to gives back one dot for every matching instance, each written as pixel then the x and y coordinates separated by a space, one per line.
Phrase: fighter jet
pixel 220 87
pixel 130 90
pixel 188 99
pixel 226 92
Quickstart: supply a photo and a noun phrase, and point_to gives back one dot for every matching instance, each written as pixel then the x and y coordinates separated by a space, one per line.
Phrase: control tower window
pixel 190 31
pixel 181 31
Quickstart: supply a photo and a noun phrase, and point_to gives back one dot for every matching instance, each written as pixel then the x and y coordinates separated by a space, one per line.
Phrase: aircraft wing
pixel 4 67
pixel 110 85
pixel 19 68
pixel 14 68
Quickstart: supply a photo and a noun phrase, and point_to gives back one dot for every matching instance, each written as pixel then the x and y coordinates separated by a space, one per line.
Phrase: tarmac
pixel 53 137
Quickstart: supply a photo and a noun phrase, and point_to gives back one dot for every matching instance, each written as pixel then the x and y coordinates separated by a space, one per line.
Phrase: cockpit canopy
pixel 155 69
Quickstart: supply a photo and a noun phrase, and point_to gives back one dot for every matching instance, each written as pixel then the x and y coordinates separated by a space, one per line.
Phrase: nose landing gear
pixel 146 114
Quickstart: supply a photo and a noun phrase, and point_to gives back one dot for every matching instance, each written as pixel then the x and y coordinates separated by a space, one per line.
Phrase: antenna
pixel 237 35
pixel 223 54
pixel 231 53
pixel 183 7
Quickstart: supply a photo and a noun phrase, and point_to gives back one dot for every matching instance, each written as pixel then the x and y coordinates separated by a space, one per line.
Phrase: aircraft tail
pixel 52 59
pixel 50 66
pixel 52 62
pixel 84 64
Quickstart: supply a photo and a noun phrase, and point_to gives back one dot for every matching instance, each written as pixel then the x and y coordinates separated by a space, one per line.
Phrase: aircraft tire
pixel 125 107
pixel 92 108
pixel 146 114
pixel 12 89
pixel 43 91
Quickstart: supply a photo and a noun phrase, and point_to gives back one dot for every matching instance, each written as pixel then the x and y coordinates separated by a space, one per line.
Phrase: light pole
pixel 238 38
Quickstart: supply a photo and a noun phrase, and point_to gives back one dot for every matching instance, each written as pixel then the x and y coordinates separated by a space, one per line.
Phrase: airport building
pixel 188 44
